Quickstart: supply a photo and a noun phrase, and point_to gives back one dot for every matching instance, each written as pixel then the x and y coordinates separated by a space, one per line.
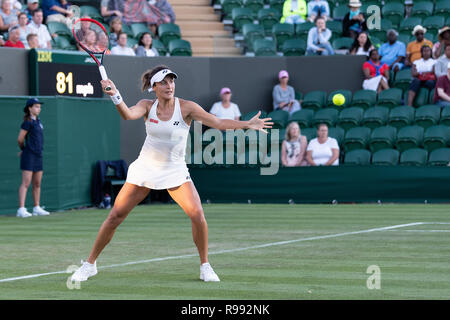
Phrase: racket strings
pixel 91 35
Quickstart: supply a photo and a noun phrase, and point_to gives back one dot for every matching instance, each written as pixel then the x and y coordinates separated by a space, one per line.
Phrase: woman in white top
pixel 24 29
pixel 161 162
pixel 323 150
pixel 362 45
pixel 293 149
pixel 225 109
pixel 422 71
pixel 145 48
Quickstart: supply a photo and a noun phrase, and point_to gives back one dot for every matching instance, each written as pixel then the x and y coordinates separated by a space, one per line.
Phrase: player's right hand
pixel 108 83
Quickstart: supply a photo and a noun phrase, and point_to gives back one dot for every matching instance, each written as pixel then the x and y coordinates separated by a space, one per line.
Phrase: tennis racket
pixel 92 37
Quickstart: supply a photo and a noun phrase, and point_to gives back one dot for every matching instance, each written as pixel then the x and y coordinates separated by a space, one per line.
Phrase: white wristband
pixel 117 98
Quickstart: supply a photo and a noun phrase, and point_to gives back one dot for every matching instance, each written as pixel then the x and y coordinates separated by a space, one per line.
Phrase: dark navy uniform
pixel 31 158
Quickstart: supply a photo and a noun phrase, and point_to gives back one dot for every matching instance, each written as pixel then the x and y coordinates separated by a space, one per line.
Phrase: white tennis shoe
pixel 207 273
pixel 38 211
pixel 23 213
pixel 86 271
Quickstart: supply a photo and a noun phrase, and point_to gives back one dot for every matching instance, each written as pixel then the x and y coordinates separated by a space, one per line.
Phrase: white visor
pixel 159 76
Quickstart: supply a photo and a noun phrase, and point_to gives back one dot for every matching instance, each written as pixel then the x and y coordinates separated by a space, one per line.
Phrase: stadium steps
pixel 201 26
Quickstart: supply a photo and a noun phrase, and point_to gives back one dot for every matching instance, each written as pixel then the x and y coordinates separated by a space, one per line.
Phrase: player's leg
pixel 26 181
pixel 129 196
pixel 36 184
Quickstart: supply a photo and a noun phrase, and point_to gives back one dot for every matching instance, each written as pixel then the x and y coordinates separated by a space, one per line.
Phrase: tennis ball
pixel 338 99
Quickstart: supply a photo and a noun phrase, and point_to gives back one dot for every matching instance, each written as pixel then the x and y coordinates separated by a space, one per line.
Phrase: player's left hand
pixel 260 124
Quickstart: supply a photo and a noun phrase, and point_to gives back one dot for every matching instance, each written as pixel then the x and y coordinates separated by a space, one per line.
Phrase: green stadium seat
pixel 447 21
pixel 168 32
pixel 303 117
pixel 433 23
pixel 393 11
pixel 439 157
pixel 403 79
pixel 402 116
pixel 309 133
pixel 91 11
pixel 422 9
pixel 247 116
pixel 350 117
pixel 356 138
pixel 386 157
pixel 364 99
pixel 294 47
pixel 160 47
pixel 59 28
pixel 414 157
pixel 337 133
pixel 252 32
pixel 228 5
pixel 277 5
pixel 302 29
pixel 282 32
pixel 343 43
pixel 407 25
pixel 357 157
pixel 436 137
pixel 390 98
pixel 279 118
pixel 268 17
pixel 382 138
pixel 254 6
pixel 445 117
pixel 138 29
pixel 180 47
pixel 127 29
pixel 335 27
pixel 339 12
pixel 375 41
pixel 241 16
pixel 347 95
pixel 325 115
pixel 264 47
pixel 409 137
pixel 382 32
pixel 442 8
pixel 375 117
pixel 132 43
pixel 421 98
pixel 314 100
pixel 63 43
pixel 427 115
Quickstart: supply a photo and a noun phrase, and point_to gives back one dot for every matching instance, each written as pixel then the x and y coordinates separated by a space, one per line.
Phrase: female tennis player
pixel 161 162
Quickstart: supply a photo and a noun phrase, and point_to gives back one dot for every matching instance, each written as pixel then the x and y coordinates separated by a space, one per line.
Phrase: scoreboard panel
pixel 65 73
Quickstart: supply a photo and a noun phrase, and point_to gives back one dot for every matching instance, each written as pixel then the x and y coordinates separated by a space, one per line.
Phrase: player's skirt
pixel 157 176
pixel 30 161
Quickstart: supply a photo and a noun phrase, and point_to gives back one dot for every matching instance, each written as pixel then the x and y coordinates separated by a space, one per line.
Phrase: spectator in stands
pixel 362 45
pixel 442 91
pixel 8 16
pixel 140 11
pixel 318 8
pixel 284 95
pixel 440 68
pixel 319 39
pixel 40 29
pixel 294 11
pixel 111 9
pixel 422 71
pixel 443 40
pixel 122 48
pixel 31 6
pixel 2 42
pixel 14 38
pixel 145 48
pixel 33 41
pixel 225 109
pixel 376 73
pixel 414 47
pixel 293 148
pixel 354 21
pixel 24 28
pixel 323 150
pixel 115 28
pixel 393 52
pixel 56 10
pixel 89 40
pixel 165 7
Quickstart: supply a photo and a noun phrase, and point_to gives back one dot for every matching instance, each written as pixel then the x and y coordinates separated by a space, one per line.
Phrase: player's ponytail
pixel 147 76
pixel 27 115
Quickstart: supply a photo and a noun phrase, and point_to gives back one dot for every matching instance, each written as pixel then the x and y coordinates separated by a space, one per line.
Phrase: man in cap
pixel 354 21
pixel 31 6
pixel 393 52
pixel 414 47
pixel 442 91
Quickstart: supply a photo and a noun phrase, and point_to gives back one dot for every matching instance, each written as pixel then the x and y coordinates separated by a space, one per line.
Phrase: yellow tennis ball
pixel 338 99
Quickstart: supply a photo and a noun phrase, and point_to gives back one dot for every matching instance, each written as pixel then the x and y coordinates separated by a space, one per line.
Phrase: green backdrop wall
pixel 77 133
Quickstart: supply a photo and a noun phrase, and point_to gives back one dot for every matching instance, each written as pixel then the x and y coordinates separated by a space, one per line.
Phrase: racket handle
pixel 104 75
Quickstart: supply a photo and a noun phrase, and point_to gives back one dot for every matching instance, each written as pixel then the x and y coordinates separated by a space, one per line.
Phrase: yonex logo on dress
pixel 175 123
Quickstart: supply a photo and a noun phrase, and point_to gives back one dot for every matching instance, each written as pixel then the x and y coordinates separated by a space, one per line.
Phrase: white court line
pixel 231 250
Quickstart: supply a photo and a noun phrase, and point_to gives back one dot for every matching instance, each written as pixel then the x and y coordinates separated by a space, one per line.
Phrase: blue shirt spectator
pixel 393 52
pixel 319 39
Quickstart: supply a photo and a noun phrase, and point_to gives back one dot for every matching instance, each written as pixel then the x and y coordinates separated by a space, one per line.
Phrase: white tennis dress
pixel 161 163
